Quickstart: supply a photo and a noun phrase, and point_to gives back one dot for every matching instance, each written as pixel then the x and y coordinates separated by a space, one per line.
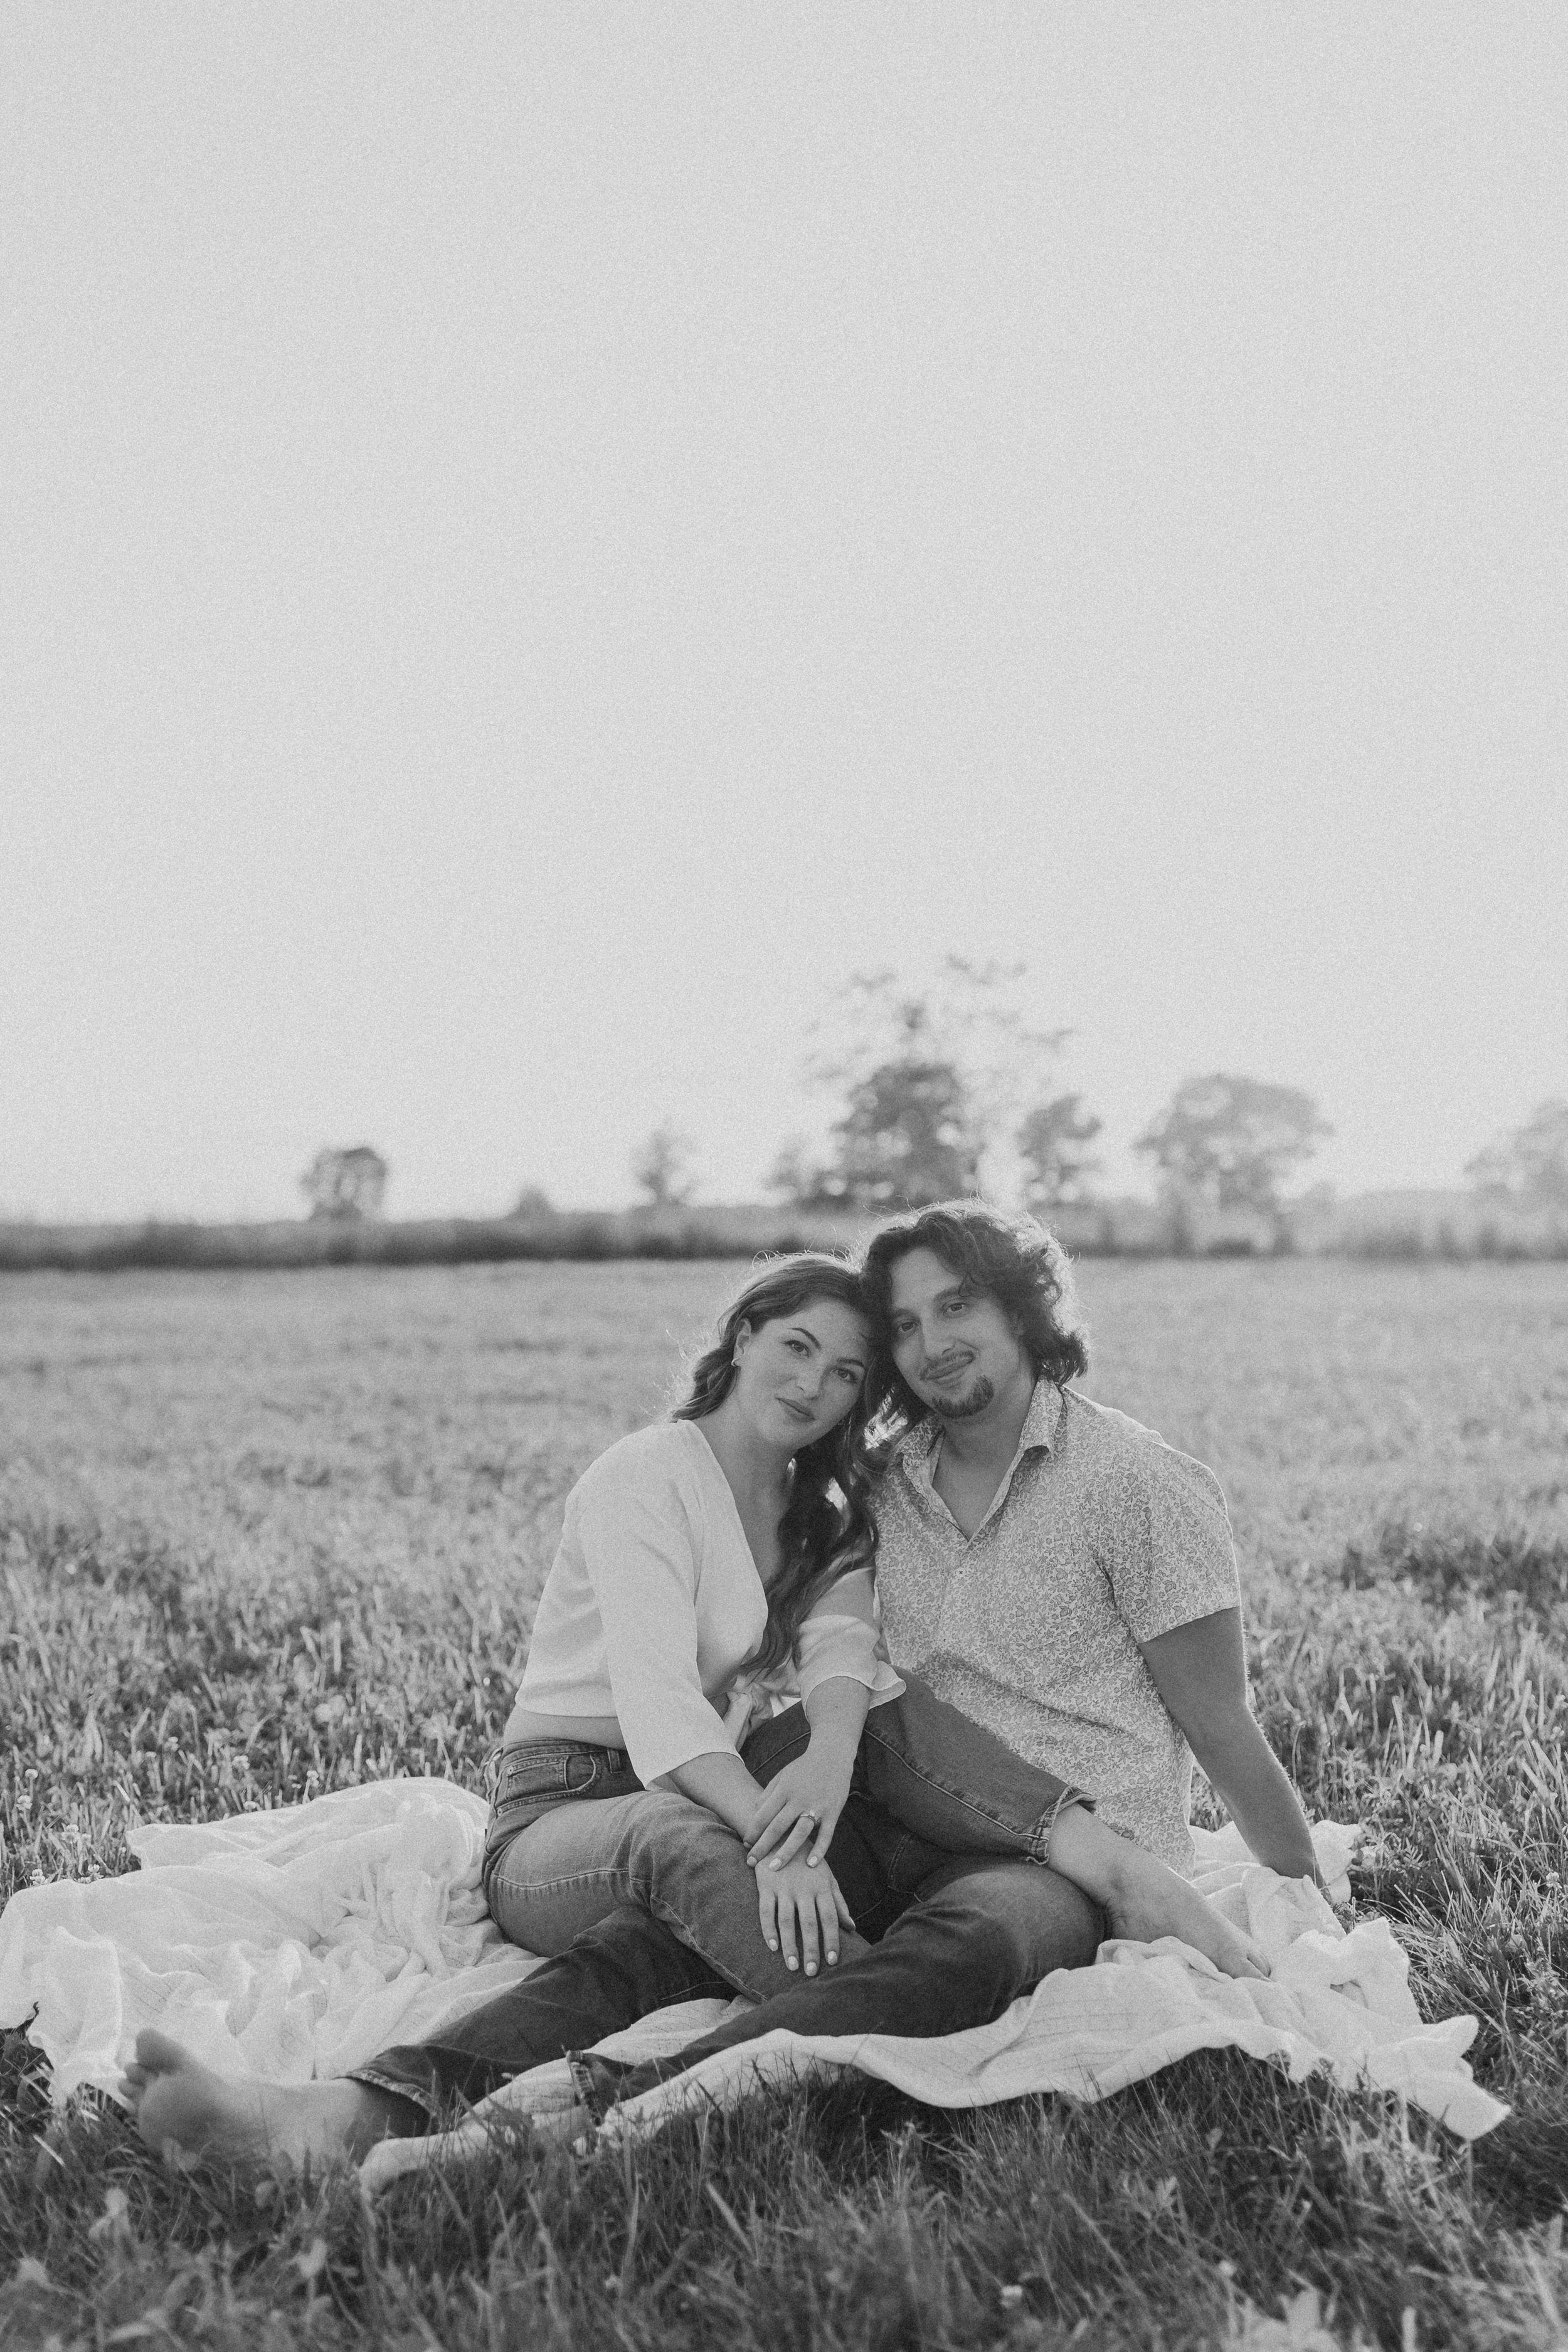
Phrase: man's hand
pixel 801 1912
pixel 800 1808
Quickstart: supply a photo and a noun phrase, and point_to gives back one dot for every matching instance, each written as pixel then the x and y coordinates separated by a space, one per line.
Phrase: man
pixel 1052 1569
pixel 1060 1575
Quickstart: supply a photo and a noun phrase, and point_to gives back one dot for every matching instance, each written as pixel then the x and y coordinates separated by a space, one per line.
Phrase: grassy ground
pixel 263 1535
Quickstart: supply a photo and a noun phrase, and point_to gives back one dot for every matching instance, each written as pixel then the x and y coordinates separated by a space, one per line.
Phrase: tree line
pixel 951 1088
pixel 941 1087
pixel 938 1088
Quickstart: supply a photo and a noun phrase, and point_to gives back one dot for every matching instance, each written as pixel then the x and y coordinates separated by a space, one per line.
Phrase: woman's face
pixel 797 1375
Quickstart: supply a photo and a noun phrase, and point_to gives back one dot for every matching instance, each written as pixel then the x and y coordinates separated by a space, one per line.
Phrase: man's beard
pixel 965 1407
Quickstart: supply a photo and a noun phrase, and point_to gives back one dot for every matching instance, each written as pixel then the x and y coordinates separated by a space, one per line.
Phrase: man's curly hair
pixel 1024 1268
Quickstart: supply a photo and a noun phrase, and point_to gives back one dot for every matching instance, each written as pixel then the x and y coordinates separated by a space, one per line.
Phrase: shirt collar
pixel 917 1452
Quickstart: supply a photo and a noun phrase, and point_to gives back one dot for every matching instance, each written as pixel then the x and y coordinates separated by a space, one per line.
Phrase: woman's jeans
pixel 643 1897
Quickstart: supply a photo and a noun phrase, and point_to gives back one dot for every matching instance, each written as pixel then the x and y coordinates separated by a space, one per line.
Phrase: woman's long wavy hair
pixel 826 1528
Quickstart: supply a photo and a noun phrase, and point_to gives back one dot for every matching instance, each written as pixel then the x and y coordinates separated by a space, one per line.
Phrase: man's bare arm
pixel 1200 1672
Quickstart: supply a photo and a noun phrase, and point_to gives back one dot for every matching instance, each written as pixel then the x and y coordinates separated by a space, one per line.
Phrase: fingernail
pixel 772 1946
pixel 812 1859
pixel 774 1864
pixel 811 1967
pixel 833 1959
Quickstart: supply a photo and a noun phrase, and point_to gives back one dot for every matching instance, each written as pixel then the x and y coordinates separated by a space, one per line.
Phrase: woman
pixel 711 1569
pixel 708 1567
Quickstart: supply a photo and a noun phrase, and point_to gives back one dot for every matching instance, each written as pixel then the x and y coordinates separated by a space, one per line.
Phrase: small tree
pixel 1053 1146
pixel 662 1168
pixel 1528 1164
pixel 349 1184
pixel 1231 1142
pixel 797 1178
pixel 533 1201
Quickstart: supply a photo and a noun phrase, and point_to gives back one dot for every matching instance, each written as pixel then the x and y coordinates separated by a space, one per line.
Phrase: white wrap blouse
pixel 653 1603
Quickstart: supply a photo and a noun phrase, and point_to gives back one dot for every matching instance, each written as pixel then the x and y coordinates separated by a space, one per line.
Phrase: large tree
pixel 1232 1143
pixel 1530 1163
pixel 906 1138
pixel 1053 1144
pixel 930 1077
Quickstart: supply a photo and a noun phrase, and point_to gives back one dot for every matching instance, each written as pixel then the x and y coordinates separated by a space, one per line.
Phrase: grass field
pixel 263 1535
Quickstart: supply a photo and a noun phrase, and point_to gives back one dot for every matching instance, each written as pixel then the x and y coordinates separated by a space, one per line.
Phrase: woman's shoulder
pixel 662 1457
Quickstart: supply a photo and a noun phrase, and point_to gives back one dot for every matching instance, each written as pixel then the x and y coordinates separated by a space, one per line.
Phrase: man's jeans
pixel 644 1898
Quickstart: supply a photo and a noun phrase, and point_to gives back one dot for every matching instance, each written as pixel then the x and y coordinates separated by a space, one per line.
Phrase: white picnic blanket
pixel 299 1942
pixel 288 1944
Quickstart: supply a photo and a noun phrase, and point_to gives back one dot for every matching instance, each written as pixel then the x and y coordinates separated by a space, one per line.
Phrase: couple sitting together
pixel 867 1687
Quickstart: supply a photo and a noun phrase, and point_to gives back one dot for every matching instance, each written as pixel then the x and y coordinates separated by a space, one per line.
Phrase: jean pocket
pixel 542 1774
pixel 534 1780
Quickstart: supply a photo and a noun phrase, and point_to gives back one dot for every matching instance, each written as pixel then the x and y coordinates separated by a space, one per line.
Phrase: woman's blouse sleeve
pixel 637 1546
pixel 842 1636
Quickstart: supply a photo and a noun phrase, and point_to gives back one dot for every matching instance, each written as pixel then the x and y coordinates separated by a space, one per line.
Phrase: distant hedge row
pixel 596 1236
pixel 447 1240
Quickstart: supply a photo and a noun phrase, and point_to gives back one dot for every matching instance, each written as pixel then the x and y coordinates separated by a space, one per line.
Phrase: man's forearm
pixel 1248 1775
pixel 1200 1672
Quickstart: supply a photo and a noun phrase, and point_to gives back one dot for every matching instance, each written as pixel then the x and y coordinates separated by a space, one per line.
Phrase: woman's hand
pixel 800 1807
pixel 801 1912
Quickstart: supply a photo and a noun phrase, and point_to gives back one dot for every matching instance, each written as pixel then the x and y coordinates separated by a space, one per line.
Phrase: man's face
pixel 953 1344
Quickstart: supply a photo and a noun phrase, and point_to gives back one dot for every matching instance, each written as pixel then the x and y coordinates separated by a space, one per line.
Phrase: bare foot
pixel 1148 1901
pixel 184 2109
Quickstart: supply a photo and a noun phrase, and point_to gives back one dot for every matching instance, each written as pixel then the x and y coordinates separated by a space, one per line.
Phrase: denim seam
pixel 621 1880
pixel 540 1748
pixel 671 1918
pixel 625 1884
pixel 713 1988
pixel 416 2097
pixel 908 1841
pixel 577 2060
pixel 959 1796
pixel 1047 1828
pixel 1036 1841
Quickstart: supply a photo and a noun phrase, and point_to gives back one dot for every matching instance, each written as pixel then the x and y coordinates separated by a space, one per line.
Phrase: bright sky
pixel 538 539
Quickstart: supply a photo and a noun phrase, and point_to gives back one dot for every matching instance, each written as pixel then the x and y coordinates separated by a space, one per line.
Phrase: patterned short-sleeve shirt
pixel 1099 1537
